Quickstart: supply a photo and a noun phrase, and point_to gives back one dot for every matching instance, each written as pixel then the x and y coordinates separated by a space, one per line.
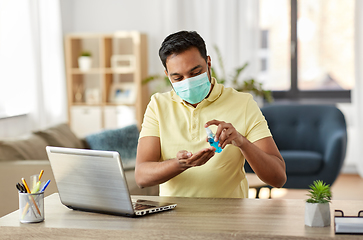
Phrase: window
pixel 16 60
pixel 307 48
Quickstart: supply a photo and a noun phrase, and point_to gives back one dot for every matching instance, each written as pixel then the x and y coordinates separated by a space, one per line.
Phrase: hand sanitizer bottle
pixel 211 140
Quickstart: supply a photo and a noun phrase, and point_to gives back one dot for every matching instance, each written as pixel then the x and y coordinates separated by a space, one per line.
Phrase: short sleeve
pixel 150 124
pixel 256 124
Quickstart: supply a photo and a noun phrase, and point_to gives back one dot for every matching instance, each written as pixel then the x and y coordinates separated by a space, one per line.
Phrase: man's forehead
pixel 190 70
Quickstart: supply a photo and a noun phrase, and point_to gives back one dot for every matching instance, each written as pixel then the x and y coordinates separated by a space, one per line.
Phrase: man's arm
pixel 150 171
pixel 265 160
pixel 263 155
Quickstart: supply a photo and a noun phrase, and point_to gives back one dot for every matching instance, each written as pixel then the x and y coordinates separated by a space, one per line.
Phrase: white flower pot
pixel 84 63
pixel 317 214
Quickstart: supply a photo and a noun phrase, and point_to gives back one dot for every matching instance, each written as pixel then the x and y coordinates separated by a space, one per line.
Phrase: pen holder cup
pixel 31 207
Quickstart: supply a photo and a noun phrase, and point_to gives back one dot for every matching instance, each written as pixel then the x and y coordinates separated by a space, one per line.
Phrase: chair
pixel 312 139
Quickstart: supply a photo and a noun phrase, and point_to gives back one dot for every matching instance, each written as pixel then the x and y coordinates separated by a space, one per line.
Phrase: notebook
pixel 94 181
pixel 348 224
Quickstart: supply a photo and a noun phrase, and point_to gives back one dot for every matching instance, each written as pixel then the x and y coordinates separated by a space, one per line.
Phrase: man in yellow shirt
pixel 173 150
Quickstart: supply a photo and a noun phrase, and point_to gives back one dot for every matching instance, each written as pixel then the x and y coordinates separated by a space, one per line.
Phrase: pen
pixel 31 197
pixel 36 187
pixel 41 174
pixel 45 186
pixel 23 187
pixel 18 186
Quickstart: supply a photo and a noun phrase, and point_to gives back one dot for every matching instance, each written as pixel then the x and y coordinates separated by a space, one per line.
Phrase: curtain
pixel 230 25
pixel 357 92
pixel 32 74
pixel 16 63
pixel 49 92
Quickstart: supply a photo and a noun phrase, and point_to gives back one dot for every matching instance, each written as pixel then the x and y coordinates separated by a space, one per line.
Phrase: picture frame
pixel 123 93
pixel 92 96
pixel 122 63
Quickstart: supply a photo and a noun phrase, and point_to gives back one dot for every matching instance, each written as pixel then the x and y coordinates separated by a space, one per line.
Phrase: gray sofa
pixel 26 156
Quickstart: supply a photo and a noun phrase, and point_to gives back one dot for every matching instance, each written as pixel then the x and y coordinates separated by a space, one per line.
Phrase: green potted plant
pixel 317 208
pixel 85 60
pixel 163 83
pixel 248 85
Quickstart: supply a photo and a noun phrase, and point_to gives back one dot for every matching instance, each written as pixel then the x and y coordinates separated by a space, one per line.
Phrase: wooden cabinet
pixel 86 119
pixel 111 84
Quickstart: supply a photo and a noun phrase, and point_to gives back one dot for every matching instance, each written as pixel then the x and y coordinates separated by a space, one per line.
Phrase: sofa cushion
pixel 123 140
pixel 60 136
pixel 7 152
pixel 30 148
pixel 302 162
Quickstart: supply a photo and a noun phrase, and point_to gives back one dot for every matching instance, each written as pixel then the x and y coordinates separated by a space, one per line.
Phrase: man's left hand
pixel 226 134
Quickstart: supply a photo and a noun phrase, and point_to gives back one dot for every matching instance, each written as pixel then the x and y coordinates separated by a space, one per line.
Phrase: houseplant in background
pixel 85 61
pixel 248 85
pixel 317 208
pixel 162 81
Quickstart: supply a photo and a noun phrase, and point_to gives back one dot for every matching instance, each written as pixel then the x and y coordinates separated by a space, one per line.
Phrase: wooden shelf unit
pixel 92 89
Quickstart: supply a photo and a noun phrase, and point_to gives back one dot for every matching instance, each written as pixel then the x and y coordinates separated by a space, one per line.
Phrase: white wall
pixel 107 16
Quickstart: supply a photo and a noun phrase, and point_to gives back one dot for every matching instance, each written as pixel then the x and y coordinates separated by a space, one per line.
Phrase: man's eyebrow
pixel 174 74
pixel 194 68
pixel 191 70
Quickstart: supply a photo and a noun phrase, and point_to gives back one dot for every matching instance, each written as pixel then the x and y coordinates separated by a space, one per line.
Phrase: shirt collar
pixel 214 95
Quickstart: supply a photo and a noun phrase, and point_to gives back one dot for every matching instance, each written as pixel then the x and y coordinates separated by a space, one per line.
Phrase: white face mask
pixel 193 90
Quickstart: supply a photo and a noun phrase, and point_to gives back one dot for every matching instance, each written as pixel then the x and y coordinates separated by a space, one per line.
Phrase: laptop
pixel 94 181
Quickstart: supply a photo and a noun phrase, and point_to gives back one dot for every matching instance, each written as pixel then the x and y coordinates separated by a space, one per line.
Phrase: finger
pixel 225 143
pixel 235 139
pixel 199 157
pixel 183 154
pixel 218 133
pixel 212 122
pixel 200 153
pixel 210 155
pixel 204 158
pixel 226 133
pixel 222 137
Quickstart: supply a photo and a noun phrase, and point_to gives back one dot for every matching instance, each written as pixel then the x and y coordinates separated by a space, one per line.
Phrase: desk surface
pixel 199 218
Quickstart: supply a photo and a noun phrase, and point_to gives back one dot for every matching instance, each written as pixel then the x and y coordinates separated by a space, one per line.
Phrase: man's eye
pixel 196 73
pixel 178 79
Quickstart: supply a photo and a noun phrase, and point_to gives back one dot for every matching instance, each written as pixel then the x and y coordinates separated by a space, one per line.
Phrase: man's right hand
pixel 150 171
pixel 187 159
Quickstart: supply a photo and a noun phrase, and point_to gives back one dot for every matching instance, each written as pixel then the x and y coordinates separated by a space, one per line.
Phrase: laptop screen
pixel 90 180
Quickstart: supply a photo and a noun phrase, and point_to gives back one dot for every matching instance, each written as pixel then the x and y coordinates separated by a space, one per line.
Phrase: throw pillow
pixel 9 153
pixel 30 148
pixel 123 140
pixel 60 136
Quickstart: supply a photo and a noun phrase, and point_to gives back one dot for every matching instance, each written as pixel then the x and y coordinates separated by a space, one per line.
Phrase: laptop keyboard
pixel 140 206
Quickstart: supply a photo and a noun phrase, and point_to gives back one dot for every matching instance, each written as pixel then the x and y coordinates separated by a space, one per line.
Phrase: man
pixel 173 150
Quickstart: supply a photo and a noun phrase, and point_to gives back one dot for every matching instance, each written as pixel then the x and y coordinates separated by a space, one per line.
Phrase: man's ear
pixel 209 61
pixel 166 73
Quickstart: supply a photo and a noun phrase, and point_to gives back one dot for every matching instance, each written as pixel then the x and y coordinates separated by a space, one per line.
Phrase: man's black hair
pixel 179 42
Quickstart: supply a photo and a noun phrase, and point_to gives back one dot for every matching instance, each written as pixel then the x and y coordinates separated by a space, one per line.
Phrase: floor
pixel 346 187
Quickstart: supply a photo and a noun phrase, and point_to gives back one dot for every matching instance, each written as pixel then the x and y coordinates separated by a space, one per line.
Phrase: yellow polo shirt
pixel 181 127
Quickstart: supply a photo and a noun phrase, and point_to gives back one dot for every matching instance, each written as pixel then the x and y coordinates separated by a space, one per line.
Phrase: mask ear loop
pixel 209 70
